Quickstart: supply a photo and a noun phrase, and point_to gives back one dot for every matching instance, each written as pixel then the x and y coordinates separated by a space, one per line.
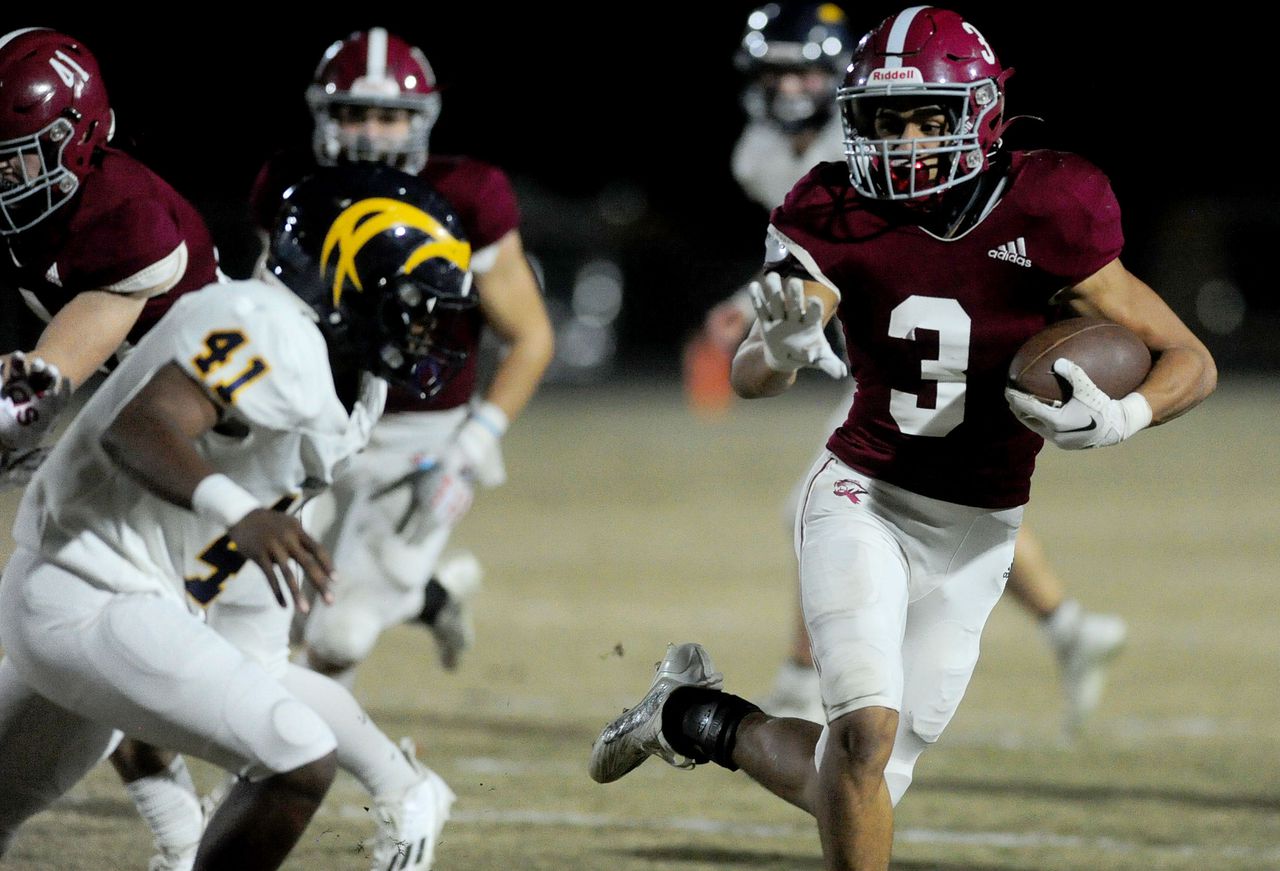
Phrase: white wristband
pixel 491 417
pixel 1137 413
pixel 220 499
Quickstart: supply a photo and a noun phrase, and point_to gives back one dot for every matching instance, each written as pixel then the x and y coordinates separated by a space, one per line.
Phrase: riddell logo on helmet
pixel 902 74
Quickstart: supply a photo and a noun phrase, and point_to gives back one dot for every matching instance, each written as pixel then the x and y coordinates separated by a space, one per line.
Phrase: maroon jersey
pixel 931 324
pixel 482 196
pixel 124 219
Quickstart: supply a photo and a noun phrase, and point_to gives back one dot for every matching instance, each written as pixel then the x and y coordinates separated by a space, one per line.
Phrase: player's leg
pixel 446 606
pixel 1083 642
pixel 259 822
pixel 854 580
pixel 142 660
pixel 44 751
pixel 383 578
pixel 410 802
pixel 160 786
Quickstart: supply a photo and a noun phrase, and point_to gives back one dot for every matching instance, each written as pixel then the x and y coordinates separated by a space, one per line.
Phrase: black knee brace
pixel 702 724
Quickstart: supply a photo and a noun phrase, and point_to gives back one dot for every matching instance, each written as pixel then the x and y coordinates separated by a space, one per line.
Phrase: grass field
pixel 627 523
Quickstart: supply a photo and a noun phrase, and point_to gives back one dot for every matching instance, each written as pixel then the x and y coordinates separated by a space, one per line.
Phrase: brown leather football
pixel 1112 354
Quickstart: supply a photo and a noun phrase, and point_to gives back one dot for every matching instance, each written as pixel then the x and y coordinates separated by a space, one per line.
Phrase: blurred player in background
pixel 909 517
pixel 186 466
pixel 374 98
pixel 100 247
pixel 794 56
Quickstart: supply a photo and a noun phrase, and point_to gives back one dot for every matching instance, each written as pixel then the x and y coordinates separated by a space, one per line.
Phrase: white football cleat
pixel 1083 658
pixel 454 629
pixel 637 734
pixel 409 827
pixel 797 693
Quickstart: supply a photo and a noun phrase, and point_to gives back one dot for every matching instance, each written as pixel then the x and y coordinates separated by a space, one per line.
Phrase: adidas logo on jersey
pixel 1013 252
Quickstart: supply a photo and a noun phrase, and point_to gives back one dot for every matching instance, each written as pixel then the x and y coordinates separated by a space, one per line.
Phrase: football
pixel 1112 355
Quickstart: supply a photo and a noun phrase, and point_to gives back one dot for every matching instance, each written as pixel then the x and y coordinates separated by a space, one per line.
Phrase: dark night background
pixel 616 126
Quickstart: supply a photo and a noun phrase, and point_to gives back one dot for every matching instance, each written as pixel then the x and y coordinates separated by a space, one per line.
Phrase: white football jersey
pixel 766 167
pixel 255 348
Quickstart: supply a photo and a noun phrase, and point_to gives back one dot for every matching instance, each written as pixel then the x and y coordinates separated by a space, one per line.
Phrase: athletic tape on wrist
pixel 220 499
pixel 491 417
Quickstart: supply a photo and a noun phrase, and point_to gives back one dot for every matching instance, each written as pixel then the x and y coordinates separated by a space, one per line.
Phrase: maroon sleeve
pixel 1085 232
pixel 815 214
pixel 480 192
pixel 138 233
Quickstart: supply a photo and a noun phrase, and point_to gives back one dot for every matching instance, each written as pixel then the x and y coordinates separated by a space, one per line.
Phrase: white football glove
pixel 1089 419
pixel 442 487
pixel 32 392
pixel 792 327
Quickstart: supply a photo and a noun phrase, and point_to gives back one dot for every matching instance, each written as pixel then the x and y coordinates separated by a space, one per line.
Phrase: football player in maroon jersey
pixel 909 517
pixel 786 135
pixel 97 244
pixel 374 97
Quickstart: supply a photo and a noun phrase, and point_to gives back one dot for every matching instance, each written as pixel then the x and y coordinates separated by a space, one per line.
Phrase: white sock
pixel 1060 627
pixel 364 750
pixel 168 803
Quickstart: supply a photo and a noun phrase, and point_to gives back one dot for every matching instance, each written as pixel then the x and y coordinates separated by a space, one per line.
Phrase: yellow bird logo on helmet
pixel 366 219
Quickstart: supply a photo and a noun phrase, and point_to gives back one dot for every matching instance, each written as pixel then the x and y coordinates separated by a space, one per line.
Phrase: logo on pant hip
pixel 850 489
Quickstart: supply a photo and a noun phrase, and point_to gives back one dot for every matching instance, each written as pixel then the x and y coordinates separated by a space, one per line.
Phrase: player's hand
pixel 1089 419
pixel 439 496
pixel 442 487
pixel 792 327
pixel 32 392
pixel 276 542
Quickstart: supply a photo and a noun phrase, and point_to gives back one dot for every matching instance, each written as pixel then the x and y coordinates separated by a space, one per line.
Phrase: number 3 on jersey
pixel 953 326
pixel 219 347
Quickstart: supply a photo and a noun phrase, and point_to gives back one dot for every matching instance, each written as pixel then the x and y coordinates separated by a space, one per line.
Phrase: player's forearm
pixel 1180 380
pixel 518 376
pixel 751 376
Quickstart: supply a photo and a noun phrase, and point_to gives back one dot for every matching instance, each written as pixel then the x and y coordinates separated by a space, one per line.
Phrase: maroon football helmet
pixel 921 57
pixel 53 114
pixel 372 70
